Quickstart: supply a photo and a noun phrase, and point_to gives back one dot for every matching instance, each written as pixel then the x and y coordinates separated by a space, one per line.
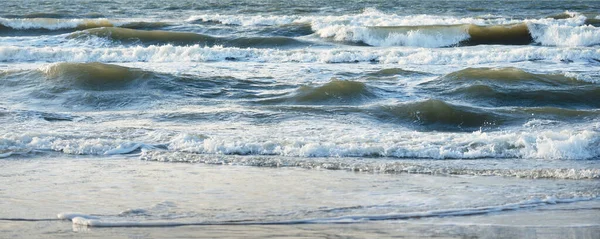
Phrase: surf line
pixel 94 221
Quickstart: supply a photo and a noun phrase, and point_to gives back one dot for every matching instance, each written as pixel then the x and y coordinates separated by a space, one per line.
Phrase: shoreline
pixel 140 191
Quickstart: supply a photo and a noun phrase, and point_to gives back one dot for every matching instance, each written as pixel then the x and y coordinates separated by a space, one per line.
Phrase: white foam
pixel 124 149
pixel 591 78
pixel 547 144
pixel 520 168
pixel 576 19
pixel 298 139
pixel 397 37
pixel 168 53
pixel 104 223
pixel 555 35
pixel 6 154
pixel 20 144
pixel 373 17
pixel 73 215
pixel 54 24
pixel 369 17
pixel 535 123
pixel 246 20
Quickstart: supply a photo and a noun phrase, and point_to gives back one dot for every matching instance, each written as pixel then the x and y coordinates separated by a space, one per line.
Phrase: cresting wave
pixel 464 35
pixel 85 86
pixel 129 36
pixel 107 86
pixel 95 85
pixel 198 53
pixel 515 87
pixel 431 35
pixel 369 28
pixel 440 115
pixel 517 34
pixel 93 76
pixel 335 92
pixel 375 28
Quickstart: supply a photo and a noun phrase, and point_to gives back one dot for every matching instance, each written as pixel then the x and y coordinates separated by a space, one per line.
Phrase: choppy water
pixel 382 86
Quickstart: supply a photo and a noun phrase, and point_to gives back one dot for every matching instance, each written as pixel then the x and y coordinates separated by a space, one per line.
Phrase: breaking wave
pixel 156 37
pixel 52 24
pixel 198 53
pixel 460 35
pixel 375 28
pixel 549 144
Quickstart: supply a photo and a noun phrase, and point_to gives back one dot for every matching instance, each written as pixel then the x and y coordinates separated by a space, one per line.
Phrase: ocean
pixel 353 119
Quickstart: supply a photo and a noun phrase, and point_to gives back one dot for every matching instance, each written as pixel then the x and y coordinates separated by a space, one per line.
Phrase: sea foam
pixel 541 144
pixel 196 53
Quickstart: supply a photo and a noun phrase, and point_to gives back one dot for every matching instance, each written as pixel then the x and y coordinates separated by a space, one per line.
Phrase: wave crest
pixel 340 91
pixel 98 76
pixel 515 87
pixel 439 115
pixel 157 37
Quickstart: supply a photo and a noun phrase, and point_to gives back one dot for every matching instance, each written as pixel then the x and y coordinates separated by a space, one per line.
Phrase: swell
pixel 288 30
pixel 86 86
pixel 157 37
pixel 108 86
pixel 515 87
pixel 93 76
pixel 147 37
pixel 439 115
pixel 97 86
pixel 334 92
pixel 555 113
pixel 433 114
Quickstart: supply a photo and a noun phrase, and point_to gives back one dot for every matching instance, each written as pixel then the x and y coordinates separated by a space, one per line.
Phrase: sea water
pixel 263 118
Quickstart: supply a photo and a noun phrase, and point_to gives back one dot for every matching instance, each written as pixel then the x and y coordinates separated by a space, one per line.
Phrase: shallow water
pixel 231 201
